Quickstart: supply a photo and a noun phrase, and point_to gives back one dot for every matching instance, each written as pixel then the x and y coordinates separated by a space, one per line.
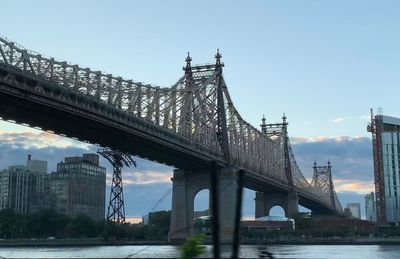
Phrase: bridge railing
pixel 188 108
pixel 253 150
pixel 187 112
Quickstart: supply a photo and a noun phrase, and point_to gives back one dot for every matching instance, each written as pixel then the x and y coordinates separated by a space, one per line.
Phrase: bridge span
pixel 190 125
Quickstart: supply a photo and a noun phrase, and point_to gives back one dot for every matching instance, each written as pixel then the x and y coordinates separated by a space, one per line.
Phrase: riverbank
pixel 102 242
pixel 327 241
pixel 75 242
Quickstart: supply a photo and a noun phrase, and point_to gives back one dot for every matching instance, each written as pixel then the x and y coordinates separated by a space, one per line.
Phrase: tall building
pixel 370 210
pixel 24 188
pixel 355 209
pixel 386 150
pixel 79 186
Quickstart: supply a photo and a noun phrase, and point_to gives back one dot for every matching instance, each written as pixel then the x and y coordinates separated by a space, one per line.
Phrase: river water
pixel 247 251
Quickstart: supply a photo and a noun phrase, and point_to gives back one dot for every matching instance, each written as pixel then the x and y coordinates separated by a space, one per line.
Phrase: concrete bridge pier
pixel 292 204
pixel 180 226
pixel 228 182
pixel 265 201
pixel 186 184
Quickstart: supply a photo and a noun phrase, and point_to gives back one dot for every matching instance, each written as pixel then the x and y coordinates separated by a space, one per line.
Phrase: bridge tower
pixel 116 208
pixel 222 181
pixel 265 200
pixel 222 129
pixel 187 108
pixel 322 178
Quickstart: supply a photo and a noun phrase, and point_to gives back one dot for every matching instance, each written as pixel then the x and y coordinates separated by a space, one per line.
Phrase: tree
pixel 8 224
pixel 193 246
pixel 45 223
pixel 83 226
pixel 158 225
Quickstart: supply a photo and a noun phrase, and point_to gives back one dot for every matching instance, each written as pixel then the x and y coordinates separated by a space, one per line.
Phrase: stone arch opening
pixel 201 203
pixel 201 211
pixel 304 209
pixel 277 211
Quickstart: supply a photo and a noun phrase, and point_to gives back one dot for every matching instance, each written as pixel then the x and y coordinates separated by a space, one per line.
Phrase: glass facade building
pixel 355 209
pixel 386 147
pixel 370 210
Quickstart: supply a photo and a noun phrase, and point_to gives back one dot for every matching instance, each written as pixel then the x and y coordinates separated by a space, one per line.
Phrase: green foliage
pixel 316 226
pixel 160 218
pixel 201 226
pixel 158 225
pixel 302 222
pixel 46 223
pixel 8 224
pixel 82 226
pixel 193 246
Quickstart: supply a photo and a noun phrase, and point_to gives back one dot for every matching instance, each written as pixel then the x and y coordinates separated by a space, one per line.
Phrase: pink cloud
pixel 357 186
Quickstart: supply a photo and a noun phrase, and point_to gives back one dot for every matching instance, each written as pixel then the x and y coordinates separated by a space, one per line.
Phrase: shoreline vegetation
pixel 47 228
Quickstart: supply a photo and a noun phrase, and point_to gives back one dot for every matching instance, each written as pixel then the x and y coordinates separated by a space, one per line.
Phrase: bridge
pixel 191 125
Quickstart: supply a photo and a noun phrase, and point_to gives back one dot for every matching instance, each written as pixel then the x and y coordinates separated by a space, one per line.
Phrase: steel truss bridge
pixel 187 125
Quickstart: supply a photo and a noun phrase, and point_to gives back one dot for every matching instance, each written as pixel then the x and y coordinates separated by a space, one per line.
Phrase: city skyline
pixel 154 178
pixel 333 75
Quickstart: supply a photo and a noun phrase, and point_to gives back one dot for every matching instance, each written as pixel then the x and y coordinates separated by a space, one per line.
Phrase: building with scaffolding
pixel 386 152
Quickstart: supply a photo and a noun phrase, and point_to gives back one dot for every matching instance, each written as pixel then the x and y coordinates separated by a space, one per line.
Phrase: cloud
pixel 133 177
pixel 27 140
pixel 346 118
pixel 298 140
pixel 134 220
pixel 340 119
pixel 351 160
pixel 355 186
pixel 144 185
pixel 148 186
pixel 146 172
pixel 345 153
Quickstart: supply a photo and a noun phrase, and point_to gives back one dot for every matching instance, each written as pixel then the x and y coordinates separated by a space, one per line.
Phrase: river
pixel 246 251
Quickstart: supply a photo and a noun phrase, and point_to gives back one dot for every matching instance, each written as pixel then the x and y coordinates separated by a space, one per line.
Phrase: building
pixel 355 209
pixel 386 152
pixel 370 210
pixel 79 186
pixel 268 223
pixel 347 213
pixel 337 225
pixel 25 188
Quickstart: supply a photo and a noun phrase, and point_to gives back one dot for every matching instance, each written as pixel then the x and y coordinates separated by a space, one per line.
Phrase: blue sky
pixel 323 63
pixel 315 60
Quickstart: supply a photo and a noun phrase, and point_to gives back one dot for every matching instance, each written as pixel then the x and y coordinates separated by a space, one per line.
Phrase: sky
pixel 322 63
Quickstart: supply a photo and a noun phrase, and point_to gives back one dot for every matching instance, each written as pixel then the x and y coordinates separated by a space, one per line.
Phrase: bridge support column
pixel 260 205
pixel 265 201
pixel 292 204
pixel 228 181
pixel 181 225
pixel 186 184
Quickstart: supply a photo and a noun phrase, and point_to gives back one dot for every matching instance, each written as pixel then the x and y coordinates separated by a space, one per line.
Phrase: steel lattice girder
pixel 189 110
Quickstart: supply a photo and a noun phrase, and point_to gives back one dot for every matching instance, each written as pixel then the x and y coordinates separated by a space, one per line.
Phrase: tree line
pixel 48 223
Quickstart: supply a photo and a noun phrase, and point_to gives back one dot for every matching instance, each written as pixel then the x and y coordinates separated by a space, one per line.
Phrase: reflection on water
pixel 246 251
